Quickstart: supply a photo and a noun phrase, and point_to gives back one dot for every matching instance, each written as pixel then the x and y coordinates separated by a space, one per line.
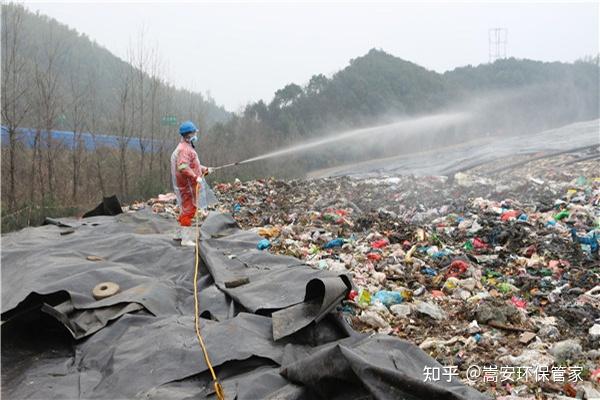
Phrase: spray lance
pixel 226 166
pixel 231 164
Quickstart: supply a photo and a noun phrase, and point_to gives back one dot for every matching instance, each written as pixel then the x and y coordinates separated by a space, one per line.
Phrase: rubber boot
pixel 188 236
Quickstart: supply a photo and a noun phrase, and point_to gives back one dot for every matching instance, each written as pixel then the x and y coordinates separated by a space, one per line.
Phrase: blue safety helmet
pixel 187 127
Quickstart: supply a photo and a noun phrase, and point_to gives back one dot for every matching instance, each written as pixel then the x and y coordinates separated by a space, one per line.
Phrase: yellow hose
pixel 218 387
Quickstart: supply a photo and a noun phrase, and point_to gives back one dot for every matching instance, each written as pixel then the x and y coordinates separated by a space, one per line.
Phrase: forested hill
pixel 509 96
pixel 78 63
pixel 378 83
pixel 543 95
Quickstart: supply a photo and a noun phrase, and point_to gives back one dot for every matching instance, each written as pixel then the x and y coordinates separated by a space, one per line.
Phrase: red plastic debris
pixel 479 244
pixel 340 212
pixel 437 293
pixel 223 187
pixel 530 250
pixel 519 303
pixel 511 214
pixel 352 294
pixel 380 244
pixel 457 268
pixel 374 256
pixel 558 263
pixel 406 245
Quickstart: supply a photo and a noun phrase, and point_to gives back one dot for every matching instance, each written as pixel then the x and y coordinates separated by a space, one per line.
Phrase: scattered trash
pixel 588 391
pixel 352 295
pixel 594 332
pixel 508 215
pixel 380 244
pixel 566 350
pixel 233 283
pixel 374 320
pixel 263 244
pixel 519 303
pixel 364 298
pixel 269 232
pixel 474 327
pixel 528 358
pixel 595 376
pixel 549 332
pixel 431 310
pixel 374 256
pixel 561 215
pixel 387 298
pixel 505 266
pixel 491 311
pixel 401 310
pixel 526 337
pixel 334 243
pixel 589 240
pixel 457 268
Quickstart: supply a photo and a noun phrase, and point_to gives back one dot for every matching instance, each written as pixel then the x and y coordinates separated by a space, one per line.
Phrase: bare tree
pixel 126 114
pixel 166 144
pixel 93 125
pixel 155 94
pixel 47 80
pixel 77 115
pixel 36 166
pixel 140 58
pixel 15 87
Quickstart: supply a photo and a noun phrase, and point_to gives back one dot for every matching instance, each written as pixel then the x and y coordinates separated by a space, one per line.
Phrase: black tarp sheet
pixel 277 335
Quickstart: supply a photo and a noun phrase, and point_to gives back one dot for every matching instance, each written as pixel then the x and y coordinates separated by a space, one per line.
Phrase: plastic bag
pixel 206 197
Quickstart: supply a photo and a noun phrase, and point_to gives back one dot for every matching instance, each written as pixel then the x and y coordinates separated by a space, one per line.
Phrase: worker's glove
pixel 199 180
pixel 210 170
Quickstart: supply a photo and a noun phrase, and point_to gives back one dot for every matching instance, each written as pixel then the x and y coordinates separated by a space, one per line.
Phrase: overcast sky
pixel 243 52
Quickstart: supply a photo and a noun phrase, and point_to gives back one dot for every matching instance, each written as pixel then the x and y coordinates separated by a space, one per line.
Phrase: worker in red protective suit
pixel 186 173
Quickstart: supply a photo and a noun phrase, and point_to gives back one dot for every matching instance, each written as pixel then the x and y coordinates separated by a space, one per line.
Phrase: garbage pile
pixel 495 276
pixel 163 204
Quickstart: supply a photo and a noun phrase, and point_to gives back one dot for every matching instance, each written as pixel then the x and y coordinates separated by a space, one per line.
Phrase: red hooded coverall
pixel 185 169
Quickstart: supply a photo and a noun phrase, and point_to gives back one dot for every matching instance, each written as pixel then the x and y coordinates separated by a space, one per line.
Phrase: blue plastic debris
pixel 236 207
pixel 423 249
pixel 440 254
pixel 263 244
pixel 590 240
pixel 429 271
pixel 523 217
pixel 387 298
pixel 334 243
pixel 348 310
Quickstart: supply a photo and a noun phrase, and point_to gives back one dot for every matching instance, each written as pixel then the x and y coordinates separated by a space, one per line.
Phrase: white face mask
pixel 193 139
